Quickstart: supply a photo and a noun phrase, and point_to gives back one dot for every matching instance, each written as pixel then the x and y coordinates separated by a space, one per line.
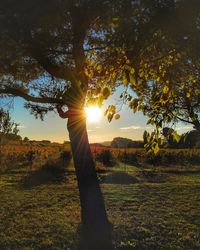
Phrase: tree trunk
pixel 96 229
pixel 197 126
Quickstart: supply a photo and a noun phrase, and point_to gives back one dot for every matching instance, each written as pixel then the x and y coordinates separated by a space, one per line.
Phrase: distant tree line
pixel 120 142
pixel 190 139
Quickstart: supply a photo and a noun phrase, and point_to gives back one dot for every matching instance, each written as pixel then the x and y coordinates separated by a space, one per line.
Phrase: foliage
pixel 120 142
pixel 133 44
pixel 26 139
pixel 190 139
pixel 105 157
pixel 165 157
pixel 162 68
pixel 8 128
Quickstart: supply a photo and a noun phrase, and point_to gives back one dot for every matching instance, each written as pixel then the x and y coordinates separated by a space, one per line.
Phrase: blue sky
pixel 54 128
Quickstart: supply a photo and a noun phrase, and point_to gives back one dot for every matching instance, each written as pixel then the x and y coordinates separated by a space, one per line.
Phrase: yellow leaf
pixel 188 95
pixel 99 68
pixel 106 92
pixel 156 149
pixel 117 116
pixel 165 89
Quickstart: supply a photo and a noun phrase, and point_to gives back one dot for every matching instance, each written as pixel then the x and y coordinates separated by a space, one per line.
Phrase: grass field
pixel 150 209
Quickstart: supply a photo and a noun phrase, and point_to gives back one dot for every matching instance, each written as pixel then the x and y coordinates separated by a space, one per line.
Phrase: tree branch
pixel 54 70
pixel 18 93
pixel 183 120
pixel 61 72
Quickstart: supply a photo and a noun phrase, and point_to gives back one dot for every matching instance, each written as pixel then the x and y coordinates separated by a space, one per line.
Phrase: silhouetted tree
pixel 190 139
pixel 145 136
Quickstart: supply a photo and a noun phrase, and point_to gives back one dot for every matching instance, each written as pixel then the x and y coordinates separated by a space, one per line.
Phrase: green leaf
pixel 125 78
pixel 156 149
pixel 176 136
pixel 106 92
pixel 132 79
pixel 165 89
pixel 188 95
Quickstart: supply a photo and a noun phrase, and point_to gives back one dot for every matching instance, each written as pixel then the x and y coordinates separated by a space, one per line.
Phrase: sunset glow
pixel 93 113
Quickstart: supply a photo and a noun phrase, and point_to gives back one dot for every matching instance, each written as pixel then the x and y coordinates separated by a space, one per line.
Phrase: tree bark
pixel 96 229
pixel 197 126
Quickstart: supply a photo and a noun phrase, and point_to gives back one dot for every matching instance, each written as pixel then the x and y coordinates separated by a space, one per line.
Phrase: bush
pixel 59 164
pixel 66 157
pixel 132 158
pixel 105 157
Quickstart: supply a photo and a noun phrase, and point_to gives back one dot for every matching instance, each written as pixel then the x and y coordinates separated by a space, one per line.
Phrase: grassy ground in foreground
pixel 149 209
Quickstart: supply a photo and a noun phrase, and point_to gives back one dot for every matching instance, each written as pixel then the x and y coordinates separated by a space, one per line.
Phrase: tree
pixel 120 142
pixel 26 139
pixel 190 139
pixel 45 59
pixel 8 128
pixel 67 54
pixel 145 136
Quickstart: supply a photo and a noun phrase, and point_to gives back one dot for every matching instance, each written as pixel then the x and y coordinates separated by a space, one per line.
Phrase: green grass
pixel 39 210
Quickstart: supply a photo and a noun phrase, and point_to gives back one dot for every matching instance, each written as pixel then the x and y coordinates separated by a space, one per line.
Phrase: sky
pixel 54 128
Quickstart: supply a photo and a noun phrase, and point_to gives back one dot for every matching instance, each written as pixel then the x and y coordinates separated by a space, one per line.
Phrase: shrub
pixel 105 157
pixel 66 157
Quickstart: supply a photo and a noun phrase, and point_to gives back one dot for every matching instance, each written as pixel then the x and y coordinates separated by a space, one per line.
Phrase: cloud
pixel 132 128
pixel 21 126
pixel 186 127
pixel 89 130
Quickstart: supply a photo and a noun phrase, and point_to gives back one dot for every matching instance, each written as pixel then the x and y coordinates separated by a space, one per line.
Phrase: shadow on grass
pixel 181 171
pixel 119 178
pixel 154 177
pixel 48 173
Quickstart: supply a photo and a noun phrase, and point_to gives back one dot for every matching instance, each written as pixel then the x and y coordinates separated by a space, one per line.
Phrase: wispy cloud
pixel 21 126
pixel 186 127
pixel 89 130
pixel 132 128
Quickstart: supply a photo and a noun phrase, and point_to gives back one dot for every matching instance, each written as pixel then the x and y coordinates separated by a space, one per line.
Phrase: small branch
pixel 183 120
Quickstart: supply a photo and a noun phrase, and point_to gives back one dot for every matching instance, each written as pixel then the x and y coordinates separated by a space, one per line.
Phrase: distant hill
pixel 96 144
pixel 120 142
pixel 106 143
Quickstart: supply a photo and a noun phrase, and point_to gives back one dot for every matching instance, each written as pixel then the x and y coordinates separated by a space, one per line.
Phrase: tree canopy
pixel 8 128
pixel 56 52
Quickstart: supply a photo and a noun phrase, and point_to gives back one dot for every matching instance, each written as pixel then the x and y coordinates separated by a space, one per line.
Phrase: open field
pixel 150 208
pixel 29 155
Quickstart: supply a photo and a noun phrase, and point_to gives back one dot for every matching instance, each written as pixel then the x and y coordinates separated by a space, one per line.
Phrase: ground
pixel 150 209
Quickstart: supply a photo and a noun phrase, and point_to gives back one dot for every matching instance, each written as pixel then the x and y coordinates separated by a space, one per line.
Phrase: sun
pixel 93 113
